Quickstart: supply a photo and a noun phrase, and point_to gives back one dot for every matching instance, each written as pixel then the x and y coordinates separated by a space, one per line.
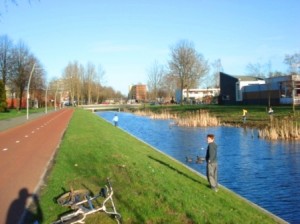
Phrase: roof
pixel 248 78
pixel 243 77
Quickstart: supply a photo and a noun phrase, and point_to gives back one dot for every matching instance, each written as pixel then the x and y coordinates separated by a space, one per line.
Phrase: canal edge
pixel 272 215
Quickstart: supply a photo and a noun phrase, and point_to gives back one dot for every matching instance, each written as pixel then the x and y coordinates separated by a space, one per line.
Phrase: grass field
pixel 12 113
pixel 149 186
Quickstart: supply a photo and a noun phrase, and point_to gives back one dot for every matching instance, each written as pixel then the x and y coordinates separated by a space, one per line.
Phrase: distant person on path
pixel 212 164
pixel 271 111
pixel 244 115
pixel 115 120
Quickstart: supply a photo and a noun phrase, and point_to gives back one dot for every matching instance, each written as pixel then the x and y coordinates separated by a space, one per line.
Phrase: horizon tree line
pixel 188 69
pixel 82 83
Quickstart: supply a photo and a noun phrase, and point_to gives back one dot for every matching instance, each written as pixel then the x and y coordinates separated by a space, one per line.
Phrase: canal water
pixel 265 172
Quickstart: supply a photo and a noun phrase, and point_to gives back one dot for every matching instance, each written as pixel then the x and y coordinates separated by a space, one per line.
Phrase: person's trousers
pixel 212 174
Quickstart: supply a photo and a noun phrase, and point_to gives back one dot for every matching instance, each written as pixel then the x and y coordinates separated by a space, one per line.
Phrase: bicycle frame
pixel 80 214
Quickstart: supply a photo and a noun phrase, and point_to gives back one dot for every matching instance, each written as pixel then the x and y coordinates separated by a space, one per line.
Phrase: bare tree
pixel 90 75
pixel 277 73
pixel 56 89
pixel 5 64
pixel 16 64
pixel 5 5
pixel 155 79
pixel 217 68
pixel 293 61
pixel 23 63
pixel 37 86
pixel 83 83
pixel 6 47
pixel 170 84
pixel 3 104
pixel 258 69
pixel 69 77
pixel 187 65
pixel 98 82
pixel 79 85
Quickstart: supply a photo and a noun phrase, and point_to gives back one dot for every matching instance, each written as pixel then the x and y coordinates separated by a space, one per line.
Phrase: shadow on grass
pixel 176 170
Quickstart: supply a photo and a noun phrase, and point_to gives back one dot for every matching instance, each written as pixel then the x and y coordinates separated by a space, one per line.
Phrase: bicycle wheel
pixel 70 198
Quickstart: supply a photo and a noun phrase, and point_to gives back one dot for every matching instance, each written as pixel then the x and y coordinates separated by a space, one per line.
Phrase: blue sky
pixel 126 37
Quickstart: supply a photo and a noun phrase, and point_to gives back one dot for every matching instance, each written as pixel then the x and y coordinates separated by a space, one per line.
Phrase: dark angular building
pixel 231 87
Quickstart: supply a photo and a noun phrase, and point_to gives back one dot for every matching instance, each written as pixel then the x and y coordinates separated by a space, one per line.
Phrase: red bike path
pixel 25 154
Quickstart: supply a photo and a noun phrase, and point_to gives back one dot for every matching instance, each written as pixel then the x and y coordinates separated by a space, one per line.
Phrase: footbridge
pixel 115 107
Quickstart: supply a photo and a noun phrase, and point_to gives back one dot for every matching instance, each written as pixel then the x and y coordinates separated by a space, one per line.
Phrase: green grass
pixel 12 113
pixel 149 186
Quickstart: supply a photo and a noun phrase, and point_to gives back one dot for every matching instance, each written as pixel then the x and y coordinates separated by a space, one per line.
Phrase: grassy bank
pixel 149 186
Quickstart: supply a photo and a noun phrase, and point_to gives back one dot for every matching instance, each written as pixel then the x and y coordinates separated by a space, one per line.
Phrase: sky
pixel 126 37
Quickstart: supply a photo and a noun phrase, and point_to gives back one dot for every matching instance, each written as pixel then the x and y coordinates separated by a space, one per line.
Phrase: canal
pixel 265 172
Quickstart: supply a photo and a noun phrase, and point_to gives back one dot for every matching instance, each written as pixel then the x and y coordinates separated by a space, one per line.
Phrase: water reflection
pixel 267 173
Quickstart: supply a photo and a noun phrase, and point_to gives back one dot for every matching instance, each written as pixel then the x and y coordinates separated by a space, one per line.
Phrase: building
pixel 254 90
pixel 232 87
pixel 138 93
pixel 196 95
pixel 276 91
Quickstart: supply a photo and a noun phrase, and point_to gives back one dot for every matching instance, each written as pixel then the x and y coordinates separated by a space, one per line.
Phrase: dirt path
pixel 25 153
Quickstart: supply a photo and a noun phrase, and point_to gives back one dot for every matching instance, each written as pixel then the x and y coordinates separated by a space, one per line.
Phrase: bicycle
pixel 84 205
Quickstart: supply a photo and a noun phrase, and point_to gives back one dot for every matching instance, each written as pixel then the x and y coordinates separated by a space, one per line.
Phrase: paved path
pixel 25 153
pixel 16 121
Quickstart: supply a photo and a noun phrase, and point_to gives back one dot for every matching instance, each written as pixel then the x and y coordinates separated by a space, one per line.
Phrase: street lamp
pixel 27 102
pixel 46 100
pixel 57 85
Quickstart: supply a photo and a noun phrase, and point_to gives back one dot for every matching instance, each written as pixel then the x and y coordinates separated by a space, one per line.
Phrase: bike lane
pixel 25 154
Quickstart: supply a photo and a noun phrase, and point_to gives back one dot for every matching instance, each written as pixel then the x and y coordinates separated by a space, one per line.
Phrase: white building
pixel 196 95
pixel 245 81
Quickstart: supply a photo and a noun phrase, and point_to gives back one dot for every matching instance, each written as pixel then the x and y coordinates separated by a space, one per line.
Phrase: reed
pixel 163 115
pixel 199 118
pixel 283 126
pixel 280 129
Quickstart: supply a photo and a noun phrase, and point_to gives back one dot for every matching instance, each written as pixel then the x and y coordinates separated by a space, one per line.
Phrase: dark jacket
pixel 211 153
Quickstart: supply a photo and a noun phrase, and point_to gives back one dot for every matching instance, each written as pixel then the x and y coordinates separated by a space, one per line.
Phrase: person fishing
pixel 212 164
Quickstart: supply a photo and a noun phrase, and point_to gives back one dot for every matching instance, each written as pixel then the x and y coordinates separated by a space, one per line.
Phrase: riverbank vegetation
pixel 282 124
pixel 284 128
pixel 199 118
pixel 149 187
